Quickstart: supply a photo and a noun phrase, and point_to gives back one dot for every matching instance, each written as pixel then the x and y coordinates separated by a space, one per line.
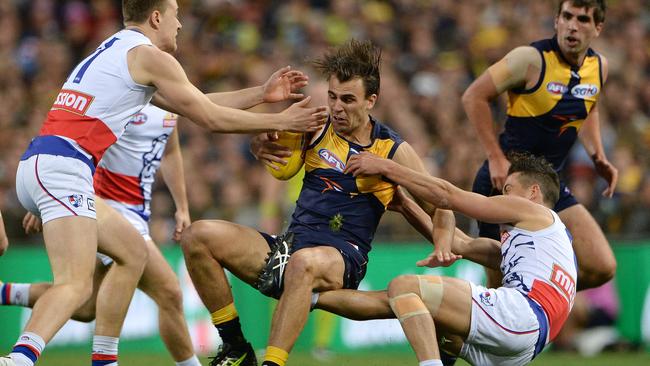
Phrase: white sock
pixel 192 361
pixel 314 300
pixel 28 349
pixel 431 363
pixel 105 351
pixel 14 294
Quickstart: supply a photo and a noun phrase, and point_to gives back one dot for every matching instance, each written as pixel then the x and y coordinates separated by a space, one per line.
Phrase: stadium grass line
pixel 79 358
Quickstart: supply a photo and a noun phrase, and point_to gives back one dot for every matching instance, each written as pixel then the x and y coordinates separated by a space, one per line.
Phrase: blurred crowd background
pixel 432 50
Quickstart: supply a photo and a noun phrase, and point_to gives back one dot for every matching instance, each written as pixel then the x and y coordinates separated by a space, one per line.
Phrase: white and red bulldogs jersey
pixel 127 171
pixel 99 96
pixel 541 265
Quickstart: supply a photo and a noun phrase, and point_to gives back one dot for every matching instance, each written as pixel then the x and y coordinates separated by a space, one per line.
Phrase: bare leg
pixel 211 246
pixel 71 246
pixel 121 241
pixel 319 268
pixel 596 262
pixel 452 315
pixel 85 313
pixel 355 304
pixel 366 305
pixel 161 284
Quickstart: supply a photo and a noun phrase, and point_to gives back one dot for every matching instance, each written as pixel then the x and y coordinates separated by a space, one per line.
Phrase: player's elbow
pixel 469 97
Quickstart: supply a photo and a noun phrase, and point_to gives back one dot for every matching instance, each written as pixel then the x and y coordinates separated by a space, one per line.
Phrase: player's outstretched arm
pixel 484 251
pixel 4 241
pixel 173 174
pixel 282 85
pixel 151 66
pixel 442 194
pixel 441 223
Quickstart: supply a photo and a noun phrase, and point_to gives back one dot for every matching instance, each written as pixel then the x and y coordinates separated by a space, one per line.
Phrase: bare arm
pixel 281 85
pixel 4 241
pixel 592 141
pixel 484 251
pixel 150 66
pixel 172 172
pixel 518 68
pixel 442 194
pixel 441 223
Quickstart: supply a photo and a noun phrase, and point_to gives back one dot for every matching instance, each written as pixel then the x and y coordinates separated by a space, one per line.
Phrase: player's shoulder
pixel 527 55
pixel 383 132
pixel 147 54
pixel 146 61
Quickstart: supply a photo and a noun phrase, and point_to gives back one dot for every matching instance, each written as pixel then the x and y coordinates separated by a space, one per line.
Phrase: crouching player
pixel 508 325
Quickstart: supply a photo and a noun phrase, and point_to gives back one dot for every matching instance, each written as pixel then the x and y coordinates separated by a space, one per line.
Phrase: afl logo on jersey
pixel 138 119
pixel 331 159
pixel 582 91
pixel 556 88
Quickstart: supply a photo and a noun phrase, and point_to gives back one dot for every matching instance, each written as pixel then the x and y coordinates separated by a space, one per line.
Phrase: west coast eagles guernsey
pixel 337 205
pixel 545 119
pixel 126 172
pixel 542 266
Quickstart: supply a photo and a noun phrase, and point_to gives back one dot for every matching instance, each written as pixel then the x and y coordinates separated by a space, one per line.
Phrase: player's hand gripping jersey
pixel 338 209
pixel 545 119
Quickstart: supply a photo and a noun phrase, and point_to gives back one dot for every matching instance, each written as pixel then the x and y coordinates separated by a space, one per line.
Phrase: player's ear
pixel 371 100
pixel 599 28
pixel 155 18
pixel 536 190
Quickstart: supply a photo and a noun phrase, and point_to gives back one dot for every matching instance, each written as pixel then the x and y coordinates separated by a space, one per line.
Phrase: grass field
pixel 60 358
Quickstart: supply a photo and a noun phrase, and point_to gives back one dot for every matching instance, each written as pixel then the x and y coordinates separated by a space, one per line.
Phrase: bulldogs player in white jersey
pixel 54 178
pixel 124 180
pixel 508 325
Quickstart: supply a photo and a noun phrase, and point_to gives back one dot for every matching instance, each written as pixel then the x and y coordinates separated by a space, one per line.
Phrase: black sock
pixel 230 332
pixel 447 359
pixel 269 363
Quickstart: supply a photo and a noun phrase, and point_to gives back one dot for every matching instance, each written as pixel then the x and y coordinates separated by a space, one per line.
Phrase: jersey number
pixel 84 67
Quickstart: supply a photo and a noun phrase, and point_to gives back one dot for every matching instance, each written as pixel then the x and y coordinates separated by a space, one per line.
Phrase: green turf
pixel 61 358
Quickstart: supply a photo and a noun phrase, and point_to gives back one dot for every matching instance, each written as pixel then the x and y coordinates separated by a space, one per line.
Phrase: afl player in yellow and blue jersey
pixel 332 226
pixel 553 88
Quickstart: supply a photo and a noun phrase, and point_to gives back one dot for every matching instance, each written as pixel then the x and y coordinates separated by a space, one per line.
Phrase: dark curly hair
pixel 354 59
pixel 535 169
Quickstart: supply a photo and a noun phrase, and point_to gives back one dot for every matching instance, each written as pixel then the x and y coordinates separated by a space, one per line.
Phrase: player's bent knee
pixel 407 305
pixel 402 284
pixel 169 296
pixel 431 292
pixel 300 267
pixel 191 239
pixel 199 234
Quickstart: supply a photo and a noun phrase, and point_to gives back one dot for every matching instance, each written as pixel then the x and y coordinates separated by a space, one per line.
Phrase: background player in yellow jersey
pixel 332 226
pixel 553 87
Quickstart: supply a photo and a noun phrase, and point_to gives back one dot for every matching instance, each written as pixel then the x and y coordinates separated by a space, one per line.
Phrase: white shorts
pixel 53 186
pixel 136 220
pixel 504 329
